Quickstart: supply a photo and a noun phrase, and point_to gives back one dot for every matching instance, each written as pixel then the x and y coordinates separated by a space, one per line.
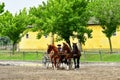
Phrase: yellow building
pixel 99 40
pixel 30 42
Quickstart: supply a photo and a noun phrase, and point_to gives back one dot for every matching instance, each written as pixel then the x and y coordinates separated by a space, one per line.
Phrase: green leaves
pixel 2 7
pixel 61 17
pixel 107 13
pixel 13 26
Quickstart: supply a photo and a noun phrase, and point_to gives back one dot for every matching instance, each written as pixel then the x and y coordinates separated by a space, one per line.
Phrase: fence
pixel 100 56
pixel 87 56
pixel 23 55
pixel 6 47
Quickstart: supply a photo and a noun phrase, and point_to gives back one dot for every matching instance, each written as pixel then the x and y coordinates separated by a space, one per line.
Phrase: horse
pixel 76 55
pixel 67 55
pixel 54 56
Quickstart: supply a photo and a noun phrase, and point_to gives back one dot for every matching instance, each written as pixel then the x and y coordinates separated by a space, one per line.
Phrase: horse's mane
pixel 66 47
pixel 55 48
pixel 52 47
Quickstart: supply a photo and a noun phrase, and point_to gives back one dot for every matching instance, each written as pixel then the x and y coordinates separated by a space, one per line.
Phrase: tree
pixel 61 17
pixel 4 40
pixel 72 17
pixel 45 19
pixel 107 13
pixel 13 26
pixel 1 7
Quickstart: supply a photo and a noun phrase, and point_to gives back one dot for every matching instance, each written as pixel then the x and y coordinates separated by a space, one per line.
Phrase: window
pixel 45 36
pixel 27 35
pixel 114 34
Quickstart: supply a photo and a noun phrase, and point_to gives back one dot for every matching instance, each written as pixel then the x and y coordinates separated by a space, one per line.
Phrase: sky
pixel 14 6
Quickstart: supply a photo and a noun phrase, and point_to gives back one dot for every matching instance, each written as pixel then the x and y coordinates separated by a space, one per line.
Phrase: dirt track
pixel 86 72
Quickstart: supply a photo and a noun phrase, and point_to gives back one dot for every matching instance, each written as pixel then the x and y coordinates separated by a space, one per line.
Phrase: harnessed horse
pixel 67 55
pixel 76 55
pixel 54 56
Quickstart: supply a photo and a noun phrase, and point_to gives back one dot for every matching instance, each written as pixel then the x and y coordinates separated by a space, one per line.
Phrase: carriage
pixel 57 58
pixel 46 60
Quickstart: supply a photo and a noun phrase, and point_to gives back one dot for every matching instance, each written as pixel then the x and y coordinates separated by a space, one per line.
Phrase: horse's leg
pixel 61 61
pixel 74 59
pixel 58 62
pixel 52 64
pixel 52 61
pixel 64 61
pixel 78 62
pixel 68 63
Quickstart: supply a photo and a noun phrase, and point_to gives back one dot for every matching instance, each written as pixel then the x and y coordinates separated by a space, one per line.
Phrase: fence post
pixel 117 54
pixel 23 55
pixel 84 57
pixel 36 55
pixel 100 55
pixel 10 54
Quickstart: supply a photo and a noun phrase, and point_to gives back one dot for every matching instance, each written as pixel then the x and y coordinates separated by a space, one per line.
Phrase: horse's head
pixel 66 48
pixel 52 48
pixel 74 45
pixel 75 49
pixel 49 49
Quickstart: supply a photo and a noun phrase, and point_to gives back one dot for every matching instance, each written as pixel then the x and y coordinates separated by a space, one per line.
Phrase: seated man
pixel 59 48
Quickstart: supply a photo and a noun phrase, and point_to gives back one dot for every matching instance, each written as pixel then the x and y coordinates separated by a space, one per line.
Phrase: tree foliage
pixel 44 19
pixel 13 26
pixel 62 17
pixel 4 40
pixel 2 7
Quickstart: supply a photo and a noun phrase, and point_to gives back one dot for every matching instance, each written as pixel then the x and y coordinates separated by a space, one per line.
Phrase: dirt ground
pixel 86 72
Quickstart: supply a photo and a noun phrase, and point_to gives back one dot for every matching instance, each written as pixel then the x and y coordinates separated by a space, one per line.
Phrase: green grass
pixel 22 56
pixel 104 57
pixel 111 57
pixel 37 56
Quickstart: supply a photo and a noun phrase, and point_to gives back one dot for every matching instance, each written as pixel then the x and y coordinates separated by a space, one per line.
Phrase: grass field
pixel 26 56
pixel 100 58
pixel 37 56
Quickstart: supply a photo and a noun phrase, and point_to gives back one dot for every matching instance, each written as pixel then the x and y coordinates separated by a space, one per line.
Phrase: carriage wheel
pixel 45 61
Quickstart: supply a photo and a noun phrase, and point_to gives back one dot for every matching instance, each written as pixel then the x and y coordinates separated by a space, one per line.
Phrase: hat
pixel 59 45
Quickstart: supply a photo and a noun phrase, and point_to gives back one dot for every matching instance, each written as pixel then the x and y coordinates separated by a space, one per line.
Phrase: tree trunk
pixel 110 43
pixel 52 39
pixel 13 50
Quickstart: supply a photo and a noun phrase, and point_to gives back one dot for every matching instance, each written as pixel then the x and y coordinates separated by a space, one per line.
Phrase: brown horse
pixel 76 55
pixel 54 56
pixel 67 55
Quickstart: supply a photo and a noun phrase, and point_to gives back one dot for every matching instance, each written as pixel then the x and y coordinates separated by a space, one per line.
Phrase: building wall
pixel 99 39
pixel 30 42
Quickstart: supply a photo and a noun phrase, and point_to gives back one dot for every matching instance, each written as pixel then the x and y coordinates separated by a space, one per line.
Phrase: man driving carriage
pixel 59 48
